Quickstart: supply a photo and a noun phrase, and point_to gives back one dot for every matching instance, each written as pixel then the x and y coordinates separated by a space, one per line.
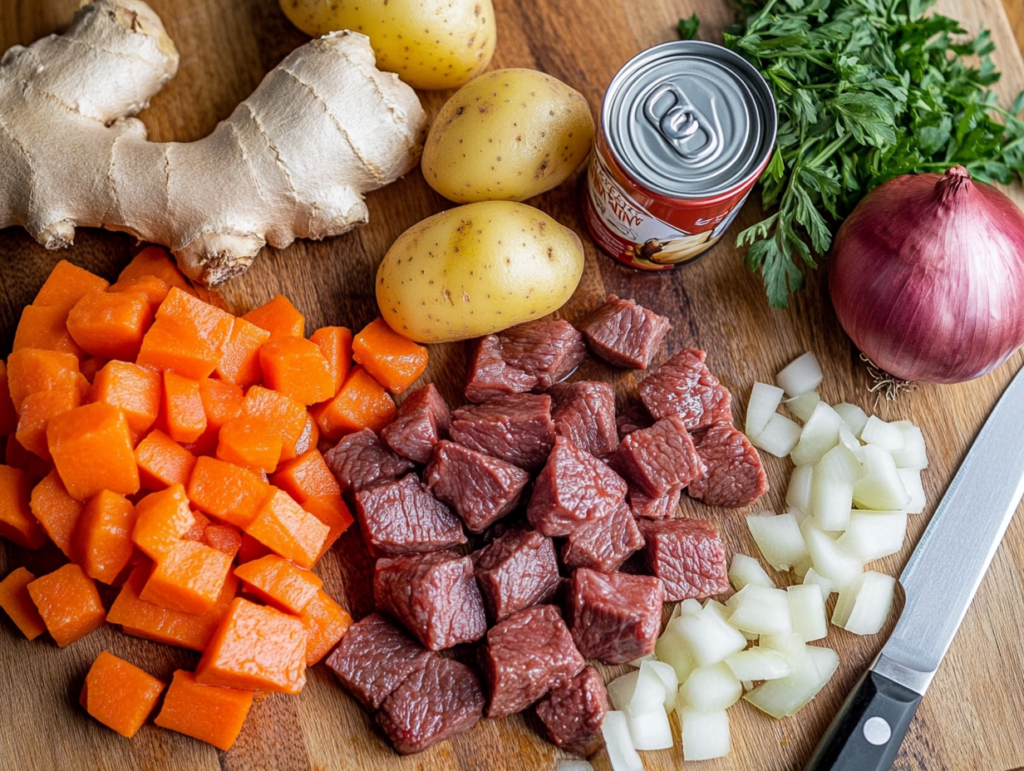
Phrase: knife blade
pixel 939 581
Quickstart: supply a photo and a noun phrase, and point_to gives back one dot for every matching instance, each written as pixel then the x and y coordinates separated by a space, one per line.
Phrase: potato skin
pixel 507 136
pixel 430 43
pixel 477 269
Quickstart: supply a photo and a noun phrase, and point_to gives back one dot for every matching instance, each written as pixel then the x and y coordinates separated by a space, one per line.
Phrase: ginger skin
pixel 292 161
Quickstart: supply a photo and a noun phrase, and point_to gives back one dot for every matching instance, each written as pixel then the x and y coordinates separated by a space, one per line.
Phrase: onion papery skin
pixel 927 277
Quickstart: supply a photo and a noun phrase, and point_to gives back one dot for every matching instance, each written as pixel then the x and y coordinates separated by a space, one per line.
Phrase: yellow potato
pixel 477 269
pixel 507 136
pixel 429 43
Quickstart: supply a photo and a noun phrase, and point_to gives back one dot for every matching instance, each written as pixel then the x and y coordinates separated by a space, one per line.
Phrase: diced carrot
pixel 279 317
pixel 162 625
pixel 90 367
pixel 296 367
pixel 279 583
pixel 119 694
pixel 8 415
pixel 153 288
pixel 189 578
pixel 134 390
pixel 326 622
pixel 225 491
pixel 172 345
pixel 361 403
pixel 288 529
pixel 256 647
pixel 36 412
pixel 225 538
pixel 162 462
pixel 103 536
pixel 206 444
pixel 336 345
pixel 92 449
pixel 251 549
pixel 31 370
pixel 16 603
pixel 287 416
pixel 57 512
pixel 250 443
pixel 331 511
pixel 211 715
pixel 198 530
pixel 46 329
pixel 206 322
pixel 155 261
pixel 111 324
pixel 392 360
pixel 221 401
pixel 68 602
pixel 181 414
pixel 20 458
pixel 66 285
pixel 16 521
pixel 306 477
pixel 161 519
pixel 240 362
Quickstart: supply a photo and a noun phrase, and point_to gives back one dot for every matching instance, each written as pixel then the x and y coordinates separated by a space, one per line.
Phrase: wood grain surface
pixel 971 717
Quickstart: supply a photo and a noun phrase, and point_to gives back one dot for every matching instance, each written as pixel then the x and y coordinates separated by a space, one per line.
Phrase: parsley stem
pixel 829 149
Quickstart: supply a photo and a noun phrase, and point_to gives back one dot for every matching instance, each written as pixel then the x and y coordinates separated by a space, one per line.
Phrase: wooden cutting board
pixel 971 717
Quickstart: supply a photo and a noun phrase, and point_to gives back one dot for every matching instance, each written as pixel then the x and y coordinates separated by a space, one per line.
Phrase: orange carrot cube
pixel 249 443
pixel 225 538
pixel 103 536
pixel 306 477
pixel 392 360
pixel 134 390
pixel 161 519
pixel 119 694
pixel 162 462
pixel 181 414
pixel 287 416
pixel 36 412
pixel 206 322
pixel 57 512
pixel 225 491
pixel 155 261
pixel 92 449
pixel 189 578
pixel 45 328
pixel 68 603
pixel 361 403
pixel 221 401
pixel 8 415
pixel 251 549
pixel 279 583
pixel 288 530
pixel 240 362
pixel 172 345
pixel 211 715
pixel 326 623
pixel 296 367
pixel 336 345
pixel 31 370
pixel 90 367
pixel 154 289
pixel 16 603
pixel 110 325
pixel 20 458
pixel 331 511
pixel 66 285
pixel 279 317
pixel 16 521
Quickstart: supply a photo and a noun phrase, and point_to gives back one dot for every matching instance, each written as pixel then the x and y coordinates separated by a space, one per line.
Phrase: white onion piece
pixel 650 730
pixel 807 609
pixel 621 690
pixel 800 376
pixel 748 685
pixel 912 484
pixel 881 488
pixel 852 443
pixel 711 688
pixel 829 559
pixel 747 570
pixel 705 734
pixel 750 636
pixel 803 405
pixel 791 646
pixel 648 692
pixel 872 535
pixel 832 488
pixel 813 578
pixel 798 494
pixel 673 650
pixel 779 437
pixel 761 610
pixel 800 569
pixel 669 679
pixel 779 539
pixel 758 664
pixel 690 607
pixel 787 696
pixel 635 663
pixel 800 515
pixel 881 434
pixel 853 416
pixel 573 765
pixel 712 605
pixel 819 435
pixel 764 401
pixel 914 455
pixel 709 637
pixel 864 605
pixel 621 752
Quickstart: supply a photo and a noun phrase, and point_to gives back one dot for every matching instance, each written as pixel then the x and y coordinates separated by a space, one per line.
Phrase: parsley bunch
pixel 866 90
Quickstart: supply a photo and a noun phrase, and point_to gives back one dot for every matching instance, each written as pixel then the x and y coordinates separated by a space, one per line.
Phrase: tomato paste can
pixel 686 129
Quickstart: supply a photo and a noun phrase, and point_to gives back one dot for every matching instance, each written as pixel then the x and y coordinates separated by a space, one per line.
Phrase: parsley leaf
pixel 688 27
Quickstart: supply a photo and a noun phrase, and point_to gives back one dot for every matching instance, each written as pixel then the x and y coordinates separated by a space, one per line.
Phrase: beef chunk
pixel 402 517
pixel 585 413
pixel 659 459
pixel 633 418
pixel 574 488
pixel 434 595
pixel 527 654
pixel 684 386
pixel 516 429
pixel 624 334
pixel 614 617
pixel 435 703
pixel 422 421
pixel 360 460
pixel 735 476
pixel 489 374
pixel 688 555
pixel 548 350
pixel 573 713
pixel 516 571
pixel 480 488
pixel 374 657
pixel 662 507
pixel 605 544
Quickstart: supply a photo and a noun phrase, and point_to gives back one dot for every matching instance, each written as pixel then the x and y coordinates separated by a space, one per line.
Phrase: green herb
pixel 866 90
pixel 688 27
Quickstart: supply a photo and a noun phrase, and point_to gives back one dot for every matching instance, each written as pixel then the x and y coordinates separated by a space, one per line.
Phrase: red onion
pixel 927 277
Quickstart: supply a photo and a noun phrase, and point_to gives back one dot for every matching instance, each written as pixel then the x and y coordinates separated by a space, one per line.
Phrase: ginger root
pixel 292 161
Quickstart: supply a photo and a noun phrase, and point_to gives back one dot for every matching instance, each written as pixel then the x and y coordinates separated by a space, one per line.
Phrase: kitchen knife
pixel 939 581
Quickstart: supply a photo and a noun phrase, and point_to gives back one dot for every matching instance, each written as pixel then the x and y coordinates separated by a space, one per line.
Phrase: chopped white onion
pixel 747 570
pixel 832 488
pixel 621 752
pixel 621 690
pixel 758 664
pixel 637 662
pixel 778 537
pixel 807 609
pixel 813 578
pixel 779 437
pixel 881 488
pixel 853 416
pixel 800 569
pixel 819 435
pixel 710 688
pixel 761 610
pixel 829 558
pixel 650 730
pixel 881 434
pixel 791 646
pixel 712 605
pixel 798 494
pixel 912 484
pixel 864 605
pixel 800 376
pixel 705 734
pixel 748 685
pixel 914 455
pixel 764 401
pixel 573 765
pixel 852 443
pixel 872 535
pixel 637 692
pixel 690 607
pixel 803 405
pixel 709 637
pixel 786 696
pixel 669 679
pixel 673 650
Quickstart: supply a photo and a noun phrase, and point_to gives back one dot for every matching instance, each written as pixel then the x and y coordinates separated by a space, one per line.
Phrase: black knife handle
pixel 870 726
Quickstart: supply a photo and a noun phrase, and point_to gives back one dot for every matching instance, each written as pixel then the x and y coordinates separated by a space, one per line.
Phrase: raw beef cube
pixel 633 418
pixel 360 460
pixel 402 517
pixel 422 421
pixel 585 413
pixel 734 476
pixel 573 713
pixel 624 334
pixel 434 595
pixel 684 386
pixel 527 654
pixel 374 657
pixel 516 429
pixel 516 571
pixel 435 703
pixel 489 374
pixel 688 555
pixel 659 459
pixel 614 617
pixel 480 488
pixel 574 488
pixel 605 544
pixel 662 507
pixel 548 350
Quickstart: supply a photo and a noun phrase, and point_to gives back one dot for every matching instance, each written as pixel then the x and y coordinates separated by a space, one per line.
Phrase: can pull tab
pixel 679 122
